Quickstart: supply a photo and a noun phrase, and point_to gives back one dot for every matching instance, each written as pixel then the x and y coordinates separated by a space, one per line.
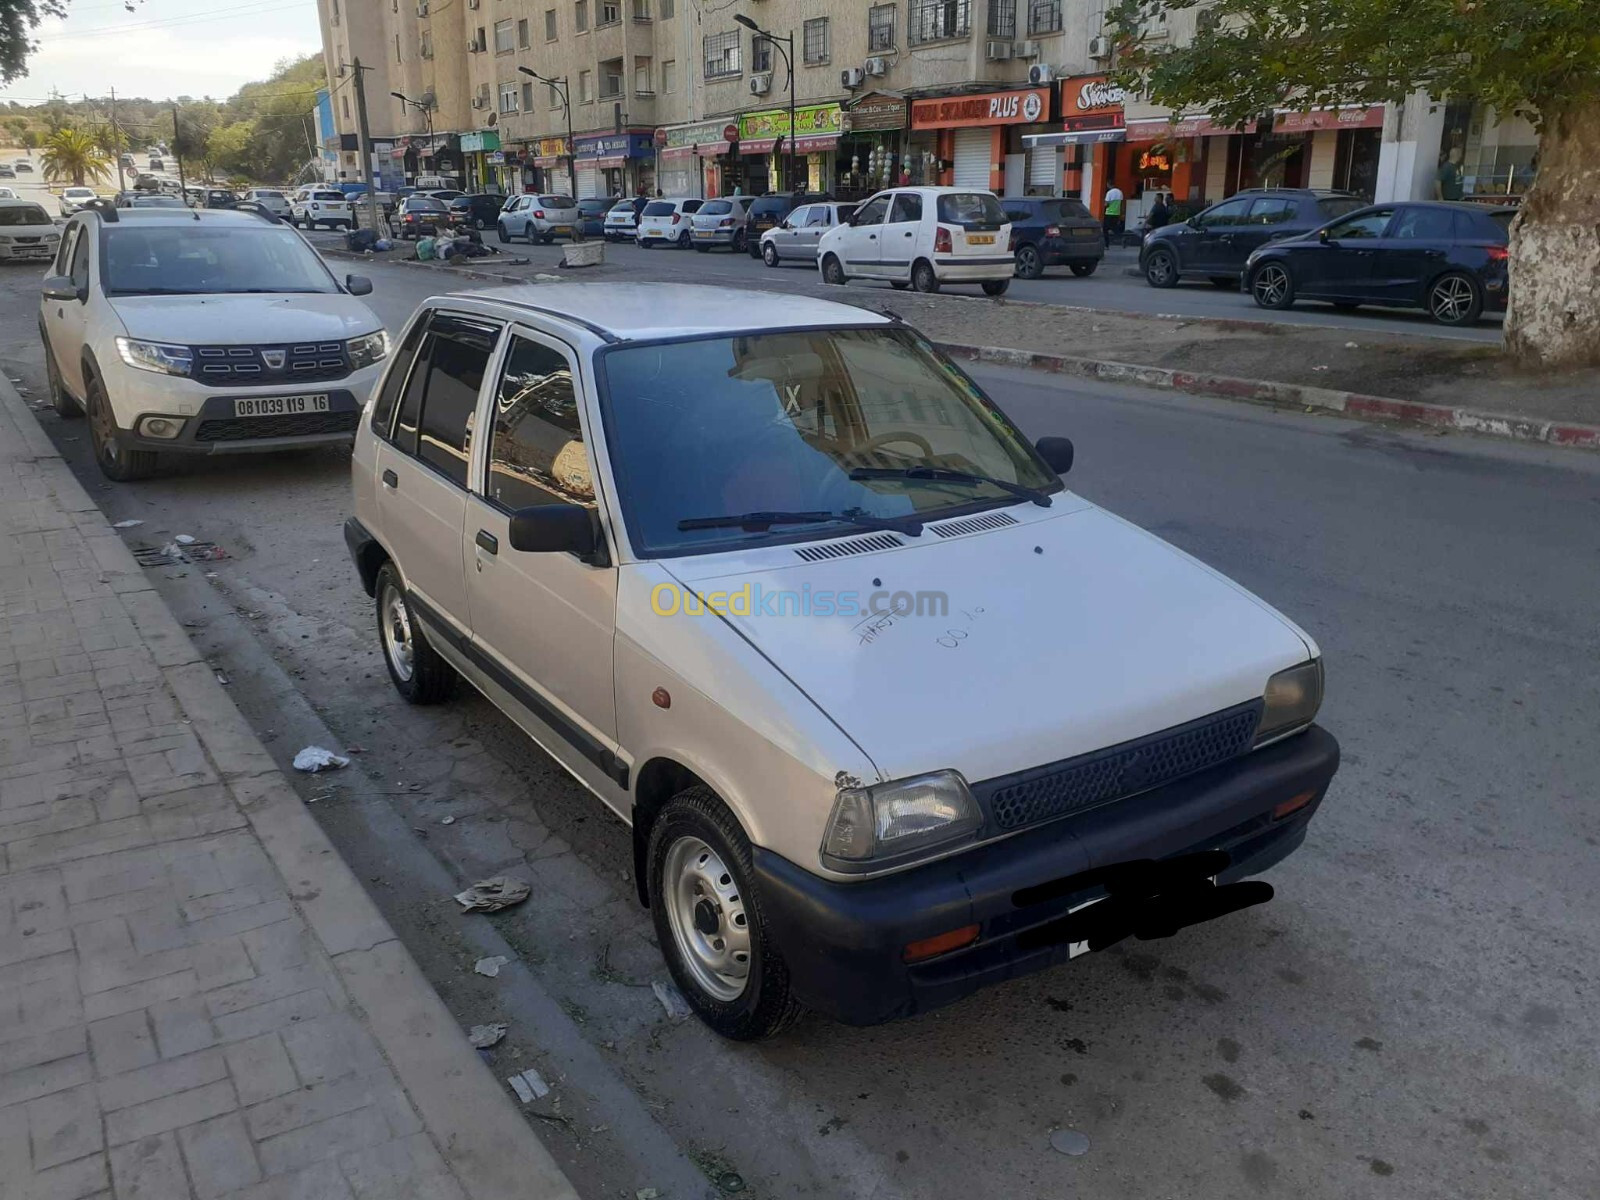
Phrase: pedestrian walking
pixel 1112 220
pixel 1159 214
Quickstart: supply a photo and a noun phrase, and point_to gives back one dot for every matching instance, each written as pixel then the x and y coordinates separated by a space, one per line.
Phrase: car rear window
pixel 557 201
pixel 425 204
pixel 24 214
pixel 1337 206
pixel 327 195
pixel 265 195
pixel 1065 210
pixel 713 208
pixel 1502 219
pixel 971 210
pixel 771 204
pixel 659 208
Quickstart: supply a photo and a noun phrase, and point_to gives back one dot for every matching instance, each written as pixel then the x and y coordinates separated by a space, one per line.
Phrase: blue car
pixel 593 215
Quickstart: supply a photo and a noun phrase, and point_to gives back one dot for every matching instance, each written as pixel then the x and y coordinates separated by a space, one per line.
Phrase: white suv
pixel 893 715
pixel 313 206
pixel 203 332
pixel 924 237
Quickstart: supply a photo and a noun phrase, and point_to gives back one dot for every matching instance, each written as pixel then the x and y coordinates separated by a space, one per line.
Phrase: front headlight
pixel 5 241
pixel 373 347
pixel 1291 701
pixel 155 356
pixel 882 824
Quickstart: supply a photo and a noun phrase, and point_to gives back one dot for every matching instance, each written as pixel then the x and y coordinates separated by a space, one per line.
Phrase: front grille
pixel 293 362
pixel 26 241
pixel 243 429
pixel 1101 776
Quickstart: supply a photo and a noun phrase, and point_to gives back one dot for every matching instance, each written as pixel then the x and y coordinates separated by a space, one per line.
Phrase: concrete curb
pixel 1351 404
pixel 489 1147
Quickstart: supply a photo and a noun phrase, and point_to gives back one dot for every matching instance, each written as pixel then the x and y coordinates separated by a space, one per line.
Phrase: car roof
pixel 183 216
pixel 19 202
pixel 641 311
pixel 1314 193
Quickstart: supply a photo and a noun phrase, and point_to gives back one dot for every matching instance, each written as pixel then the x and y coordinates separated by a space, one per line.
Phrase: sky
pixel 165 48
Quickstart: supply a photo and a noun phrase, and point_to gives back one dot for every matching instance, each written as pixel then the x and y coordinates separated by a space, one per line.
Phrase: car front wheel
pixel 708 920
pixel 116 461
pixel 833 270
pixel 418 673
pixel 66 407
pixel 502 233
pixel 1161 269
pixel 769 254
pixel 1272 286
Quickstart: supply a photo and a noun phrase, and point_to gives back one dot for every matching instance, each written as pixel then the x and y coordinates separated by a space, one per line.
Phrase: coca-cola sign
pixel 1091 102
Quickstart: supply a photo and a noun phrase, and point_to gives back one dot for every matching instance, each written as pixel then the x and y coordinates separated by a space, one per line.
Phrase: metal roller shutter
pixel 1044 168
pixel 972 158
pixel 589 182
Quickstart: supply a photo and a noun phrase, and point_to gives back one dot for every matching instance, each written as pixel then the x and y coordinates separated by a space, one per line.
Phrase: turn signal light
pixel 941 241
pixel 1293 805
pixel 942 944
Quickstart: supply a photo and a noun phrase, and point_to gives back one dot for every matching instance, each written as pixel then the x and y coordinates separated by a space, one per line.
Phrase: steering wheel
pixel 894 435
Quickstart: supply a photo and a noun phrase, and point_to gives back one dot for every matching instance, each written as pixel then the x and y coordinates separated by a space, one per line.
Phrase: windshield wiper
pixel 760 522
pixel 946 475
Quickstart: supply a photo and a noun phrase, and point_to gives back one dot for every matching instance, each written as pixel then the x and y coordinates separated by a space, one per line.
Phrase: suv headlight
pixel 373 347
pixel 155 356
pixel 888 822
pixel 1292 699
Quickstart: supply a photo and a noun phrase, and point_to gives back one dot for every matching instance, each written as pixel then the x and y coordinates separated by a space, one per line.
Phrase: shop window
pixel 933 20
pixel 880 27
pixel 1002 18
pixel 722 55
pixel 815 40
pixel 1044 16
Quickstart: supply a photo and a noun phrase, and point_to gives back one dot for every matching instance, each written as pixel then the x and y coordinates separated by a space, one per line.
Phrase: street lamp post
pixel 786 46
pixel 425 109
pixel 566 103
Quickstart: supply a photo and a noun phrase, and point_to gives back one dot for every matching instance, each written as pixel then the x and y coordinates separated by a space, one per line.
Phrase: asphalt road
pixel 1415 1014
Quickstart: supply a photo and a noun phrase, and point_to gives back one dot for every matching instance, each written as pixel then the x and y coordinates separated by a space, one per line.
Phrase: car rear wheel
pixel 1161 269
pixel 502 233
pixel 833 270
pixel 1084 270
pixel 1454 299
pixel 769 254
pixel 923 277
pixel 684 240
pixel 754 247
pixel 116 461
pixel 709 922
pixel 1272 286
pixel 417 671
pixel 739 240
pixel 995 287
pixel 1028 265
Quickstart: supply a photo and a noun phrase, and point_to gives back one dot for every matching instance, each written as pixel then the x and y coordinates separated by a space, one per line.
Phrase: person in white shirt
pixel 1112 221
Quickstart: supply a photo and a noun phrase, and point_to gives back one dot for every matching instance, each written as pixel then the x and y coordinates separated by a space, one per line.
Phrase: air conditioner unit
pixel 473 3
pixel 998 51
pixel 1041 73
pixel 1027 49
pixel 1100 46
pixel 877 66
pixel 760 85
pixel 473 47
pixel 851 78
pixel 480 102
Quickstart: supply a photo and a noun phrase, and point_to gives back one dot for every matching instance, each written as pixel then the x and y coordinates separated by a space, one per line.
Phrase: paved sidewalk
pixel 197 999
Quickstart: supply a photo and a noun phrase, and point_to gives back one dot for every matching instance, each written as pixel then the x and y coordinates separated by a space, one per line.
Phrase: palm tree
pixel 73 154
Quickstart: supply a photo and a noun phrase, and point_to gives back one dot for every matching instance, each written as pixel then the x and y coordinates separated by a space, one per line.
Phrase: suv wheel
pixel 419 674
pixel 1029 265
pixel 1161 269
pixel 116 461
pixel 709 921
pixel 1084 270
pixel 923 277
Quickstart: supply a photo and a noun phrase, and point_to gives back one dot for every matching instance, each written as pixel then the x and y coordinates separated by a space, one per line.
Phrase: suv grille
pixel 242 429
pixel 1117 772
pixel 294 362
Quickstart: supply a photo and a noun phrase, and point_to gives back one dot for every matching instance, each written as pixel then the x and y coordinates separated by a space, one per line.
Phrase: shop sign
pixel 551 147
pixel 994 108
pixel 487 139
pixel 1153 160
pixel 1329 118
pixel 497 159
pixel 685 136
pixel 730 133
pixel 1091 102
pixel 811 120
pixel 618 145
pixel 875 112
pixel 1156 128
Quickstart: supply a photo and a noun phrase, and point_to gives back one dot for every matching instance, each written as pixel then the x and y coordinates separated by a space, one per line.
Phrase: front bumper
pixel 38 252
pixel 842 942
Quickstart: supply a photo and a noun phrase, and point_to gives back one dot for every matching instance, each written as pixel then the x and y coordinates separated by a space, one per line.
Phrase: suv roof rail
pixel 256 207
pixel 106 208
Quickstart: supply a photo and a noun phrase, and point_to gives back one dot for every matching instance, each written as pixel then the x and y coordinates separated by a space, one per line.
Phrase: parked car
pixel 592 215
pixel 723 222
pixel 622 218
pixel 1447 258
pixel 271 199
pixel 26 231
pixel 321 205
pixel 146 183
pixel 420 216
pixel 74 198
pixel 157 164
pixel 7 194
pixel 7 172
pixel 126 160
pixel 767 211
pixel 817 820
pixel 203 332
pixel 478 211
pixel 445 194
pixel 1049 232
pixel 149 200
pixel 24 166
pixel 666 221
pixel 541 218
pixel 923 238
pixel 219 198
pixel 796 237
pixel 1215 243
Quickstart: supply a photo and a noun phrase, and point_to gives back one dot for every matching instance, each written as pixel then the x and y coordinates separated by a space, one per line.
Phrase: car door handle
pixel 487 541
pixel 390 479
pixel 906 234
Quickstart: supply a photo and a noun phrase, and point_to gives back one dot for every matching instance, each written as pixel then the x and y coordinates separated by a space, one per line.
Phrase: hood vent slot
pixel 977 524
pixel 860 545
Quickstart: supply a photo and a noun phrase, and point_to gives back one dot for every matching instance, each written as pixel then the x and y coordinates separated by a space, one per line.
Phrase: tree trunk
pixel 1554 314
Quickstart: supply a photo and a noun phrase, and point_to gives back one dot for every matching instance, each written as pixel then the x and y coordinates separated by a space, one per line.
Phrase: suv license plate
pixel 278 406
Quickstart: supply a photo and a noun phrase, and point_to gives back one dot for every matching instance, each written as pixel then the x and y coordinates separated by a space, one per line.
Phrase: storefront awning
pixel 758 146
pixel 547 163
pixel 815 145
pixel 618 160
pixel 711 149
pixel 675 153
pixel 1087 137
pixel 1357 117
pixel 1154 129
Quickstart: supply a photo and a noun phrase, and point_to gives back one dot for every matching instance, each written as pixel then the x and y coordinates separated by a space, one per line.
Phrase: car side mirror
pixel 60 287
pixel 1322 236
pixel 358 285
pixel 556 529
pixel 1057 453
pixel 1193 222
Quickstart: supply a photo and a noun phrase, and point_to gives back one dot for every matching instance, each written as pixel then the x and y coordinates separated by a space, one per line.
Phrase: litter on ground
pixel 672 1000
pixel 491 895
pixel 484 1036
pixel 184 539
pixel 315 758
pixel 126 524
pixel 529 1086
pixel 1069 1141
pixel 490 966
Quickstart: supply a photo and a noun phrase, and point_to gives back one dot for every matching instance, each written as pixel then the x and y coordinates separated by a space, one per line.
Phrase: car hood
pixel 245 320
pixel 1067 631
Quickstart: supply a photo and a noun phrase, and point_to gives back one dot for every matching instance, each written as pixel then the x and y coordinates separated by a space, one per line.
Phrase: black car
pixel 1047 232
pixel 1216 242
pixel 1447 258
pixel 768 212
pixel 219 198
pixel 480 211
pixel 418 215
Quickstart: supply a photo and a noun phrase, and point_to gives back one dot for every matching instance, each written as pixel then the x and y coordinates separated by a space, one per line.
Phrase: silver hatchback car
pixel 723 222
pixel 795 238
pixel 538 218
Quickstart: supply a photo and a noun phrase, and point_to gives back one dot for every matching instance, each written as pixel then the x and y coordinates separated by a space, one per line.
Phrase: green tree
pixel 18 20
pixel 1540 58
pixel 30 139
pixel 73 154
pixel 231 148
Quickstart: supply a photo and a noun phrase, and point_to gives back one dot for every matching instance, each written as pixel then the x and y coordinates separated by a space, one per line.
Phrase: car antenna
pixel 892 315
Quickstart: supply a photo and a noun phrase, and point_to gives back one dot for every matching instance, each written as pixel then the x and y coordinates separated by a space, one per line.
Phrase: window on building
pixel 581 15
pixel 536 453
pixel 641 10
pixel 346 100
pixel 527 96
pixel 397 47
pixel 880 27
pixel 479 41
pixel 555 96
pixel 643 80
pixel 814 40
pixel 549 24
pixel 760 53
pixel 524 39
pixel 610 12
pixel 611 79
pixel 425 43
pixel 504 37
pixel 585 87
pixel 667 10
pixel 1044 16
pixel 932 20
pixel 722 55
pixel 508 97
pixel 669 76
pixel 1002 18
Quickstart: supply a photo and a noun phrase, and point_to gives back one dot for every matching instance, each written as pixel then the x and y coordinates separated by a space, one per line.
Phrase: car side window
pixel 907 207
pixel 1425 224
pixel 1369 224
pixel 1271 210
pixel 68 244
pixel 80 262
pixel 536 451
pixel 692 206
pixel 456 367
pixel 1231 212
pixel 1017 212
pixel 800 216
pixel 819 215
pixel 873 211
pixel 400 370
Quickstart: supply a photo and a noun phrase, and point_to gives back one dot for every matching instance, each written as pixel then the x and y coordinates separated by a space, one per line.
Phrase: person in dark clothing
pixel 1159 214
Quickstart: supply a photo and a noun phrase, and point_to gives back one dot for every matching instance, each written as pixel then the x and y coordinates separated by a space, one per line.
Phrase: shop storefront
pixel 621 164
pixel 548 158
pixel 961 140
pixel 475 150
pixel 872 147
pixel 683 155
pixel 1485 156
pixel 1080 158
pixel 763 145
pixel 1344 145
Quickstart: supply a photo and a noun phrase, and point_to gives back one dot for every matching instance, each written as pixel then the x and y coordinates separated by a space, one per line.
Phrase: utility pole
pixel 365 144
pixel 563 88
pixel 177 153
pixel 116 140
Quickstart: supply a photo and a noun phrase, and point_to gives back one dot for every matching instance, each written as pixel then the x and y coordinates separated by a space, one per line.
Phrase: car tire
pixel 923 277
pixel 769 254
pixel 1084 270
pixel 549 239
pixel 1028 263
pixel 995 287
pixel 753 247
pixel 710 923
pixel 1272 286
pixel 503 233
pixel 477 223
pixel 1225 283
pixel 1455 299
pixel 116 462
pixel 66 407
pixel 1161 269
pixel 740 239
pixel 415 668
pixel 684 240
pixel 833 270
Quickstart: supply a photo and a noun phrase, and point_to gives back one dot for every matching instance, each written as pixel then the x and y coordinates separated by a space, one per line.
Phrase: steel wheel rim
pixel 1452 297
pixel 1272 284
pixel 708 920
pixel 396 623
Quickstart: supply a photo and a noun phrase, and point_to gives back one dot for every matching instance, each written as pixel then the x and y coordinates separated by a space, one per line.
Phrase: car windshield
pixel 24 214
pixel 659 208
pixel 715 208
pixel 1337 206
pixel 971 210
pixel 777 422
pixel 259 194
pixel 196 259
